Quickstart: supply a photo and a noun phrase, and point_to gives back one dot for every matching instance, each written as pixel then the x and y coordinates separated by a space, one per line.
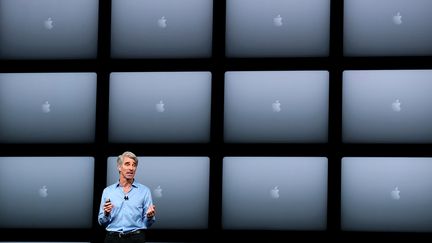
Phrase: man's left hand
pixel 151 211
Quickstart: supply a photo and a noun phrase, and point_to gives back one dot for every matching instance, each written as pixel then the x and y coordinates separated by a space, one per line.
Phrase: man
pixel 126 208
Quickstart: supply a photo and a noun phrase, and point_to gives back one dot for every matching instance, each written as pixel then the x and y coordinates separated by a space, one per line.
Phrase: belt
pixel 124 234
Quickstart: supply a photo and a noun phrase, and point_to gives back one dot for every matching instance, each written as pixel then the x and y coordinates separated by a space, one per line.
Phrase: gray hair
pixel 126 154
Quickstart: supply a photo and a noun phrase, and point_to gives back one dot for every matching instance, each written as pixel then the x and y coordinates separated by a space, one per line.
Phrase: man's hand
pixel 151 211
pixel 107 207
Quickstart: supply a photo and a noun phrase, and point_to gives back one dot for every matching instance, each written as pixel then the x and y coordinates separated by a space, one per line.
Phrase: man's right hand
pixel 107 207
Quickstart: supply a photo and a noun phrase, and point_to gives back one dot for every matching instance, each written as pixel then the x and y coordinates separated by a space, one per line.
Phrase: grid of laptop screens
pixel 48 29
pixel 387 106
pixel 386 194
pixel 274 193
pixel 165 107
pixel 276 106
pixel 277 28
pixel 44 107
pixel 179 187
pixel 50 192
pixel 387 28
pixel 379 106
pixel 161 28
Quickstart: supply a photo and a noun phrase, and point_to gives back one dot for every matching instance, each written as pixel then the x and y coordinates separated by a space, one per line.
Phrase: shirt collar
pixel 134 183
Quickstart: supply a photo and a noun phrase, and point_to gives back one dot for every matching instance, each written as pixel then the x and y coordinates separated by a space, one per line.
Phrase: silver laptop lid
pixel 161 28
pixel 386 194
pixel 277 28
pixel 276 106
pixel 48 29
pixel 387 27
pixel 59 191
pixel 274 193
pixel 47 107
pixel 164 107
pixel 387 106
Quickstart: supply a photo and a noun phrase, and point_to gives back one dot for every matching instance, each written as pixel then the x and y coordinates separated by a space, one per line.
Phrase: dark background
pixel 216 149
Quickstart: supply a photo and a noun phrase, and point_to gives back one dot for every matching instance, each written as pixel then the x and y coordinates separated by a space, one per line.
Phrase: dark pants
pixel 125 238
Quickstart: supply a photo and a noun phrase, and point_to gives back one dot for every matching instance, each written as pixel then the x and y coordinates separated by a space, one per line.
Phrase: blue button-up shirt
pixel 126 215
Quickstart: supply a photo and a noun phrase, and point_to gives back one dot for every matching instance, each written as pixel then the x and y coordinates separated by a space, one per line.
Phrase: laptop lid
pixel 50 192
pixel 277 28
pixel 274 193
pixel 386 194
pixel 44 107
pixel 179 186
pixel 387 28
pixel 276 106
pixel 48 29
pixel 161 28
pixel 165 107
pixel 387 106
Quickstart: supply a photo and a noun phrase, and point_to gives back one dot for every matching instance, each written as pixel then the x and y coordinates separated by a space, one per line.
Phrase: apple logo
pixel 274 193
pixel 43 191
pixel 46 107
pixel 276 106
pixel 396 105
pixel 160 107
pixel 162 22
pixel 158 192
pixel 49 24
pixel 395 194
pixel 277 21
pixel 397 19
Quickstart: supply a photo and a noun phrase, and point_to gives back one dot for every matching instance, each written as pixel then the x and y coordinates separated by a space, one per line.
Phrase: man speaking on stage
pixel 126 208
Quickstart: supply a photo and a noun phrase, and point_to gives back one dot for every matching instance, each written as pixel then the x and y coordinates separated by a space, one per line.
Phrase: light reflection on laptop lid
pixel 46 192
pixel 387 106
pixel 48 29
pixel 274 193
pixel 277 28
pixel 47 107
pixel 175 182
pixel 276 106
pixel 387 27
pixel 160 107
pixel 161 28
pixel 386 194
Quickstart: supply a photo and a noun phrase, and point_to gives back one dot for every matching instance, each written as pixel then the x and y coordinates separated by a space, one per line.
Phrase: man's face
pixel 128 168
